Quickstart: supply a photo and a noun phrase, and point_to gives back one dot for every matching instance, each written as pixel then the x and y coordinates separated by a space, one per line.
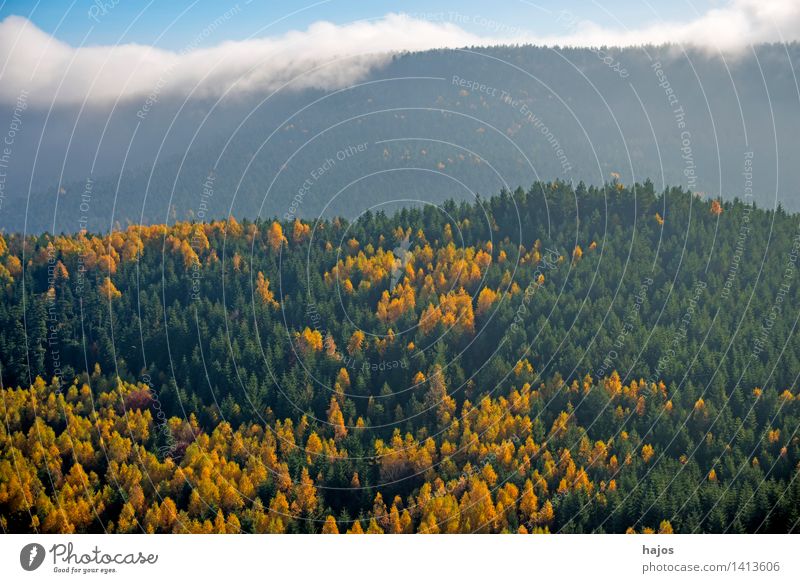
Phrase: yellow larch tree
pixel 263 291
pixel 108 290
pixel 275 236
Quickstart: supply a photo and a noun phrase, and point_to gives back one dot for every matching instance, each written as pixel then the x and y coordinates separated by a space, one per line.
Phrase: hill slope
pixel 427 126
pixel 549 360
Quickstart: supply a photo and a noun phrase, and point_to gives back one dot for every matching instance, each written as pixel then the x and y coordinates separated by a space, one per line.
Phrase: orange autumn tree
pixel 108 290
pixel 300 231
pixel 263 291
pixel 395 303
pixel 336 419
pixel 275 236
pixel 486 298
pixel 437 399
pixel 356 342
pixel 308 341
pixel 453 312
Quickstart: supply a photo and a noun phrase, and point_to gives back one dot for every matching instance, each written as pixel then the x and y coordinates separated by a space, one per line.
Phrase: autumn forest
pixel 562 359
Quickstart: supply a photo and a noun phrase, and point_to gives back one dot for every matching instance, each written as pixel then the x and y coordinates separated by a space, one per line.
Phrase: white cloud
pixel 730 28
pixel 51 70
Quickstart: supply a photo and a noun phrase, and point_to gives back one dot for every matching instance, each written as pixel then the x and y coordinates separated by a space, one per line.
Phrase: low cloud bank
pixel 326 55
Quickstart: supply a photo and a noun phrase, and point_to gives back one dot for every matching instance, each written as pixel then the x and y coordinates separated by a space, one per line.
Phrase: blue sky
pixel 171 24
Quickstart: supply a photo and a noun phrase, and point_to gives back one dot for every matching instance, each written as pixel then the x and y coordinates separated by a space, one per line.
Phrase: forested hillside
pixel 428 125
pixel 561 359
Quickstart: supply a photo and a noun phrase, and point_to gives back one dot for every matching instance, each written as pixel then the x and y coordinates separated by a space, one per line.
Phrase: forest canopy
pixel 561 359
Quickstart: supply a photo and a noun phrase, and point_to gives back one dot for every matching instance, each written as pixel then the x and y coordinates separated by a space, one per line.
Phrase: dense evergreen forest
pixel 562 359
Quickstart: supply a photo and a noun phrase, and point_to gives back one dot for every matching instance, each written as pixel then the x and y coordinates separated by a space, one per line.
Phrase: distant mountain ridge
pixel 426 127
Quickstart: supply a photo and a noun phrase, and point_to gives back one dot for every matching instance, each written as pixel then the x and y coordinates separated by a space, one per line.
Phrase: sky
pixel 174 23
pixel 89 51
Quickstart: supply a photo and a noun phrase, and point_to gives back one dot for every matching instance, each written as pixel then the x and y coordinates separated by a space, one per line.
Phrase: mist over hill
pixel 420 129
